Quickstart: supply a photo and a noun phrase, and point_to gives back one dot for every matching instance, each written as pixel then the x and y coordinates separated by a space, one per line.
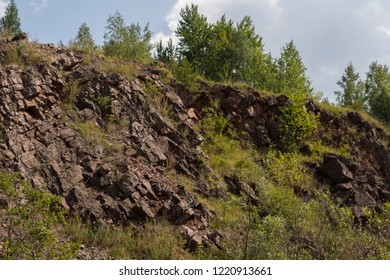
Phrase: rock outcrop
pixel 106 155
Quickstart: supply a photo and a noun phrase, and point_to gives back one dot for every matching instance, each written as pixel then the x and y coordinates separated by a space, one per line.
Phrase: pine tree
pixel 84 40
pixel 378 91
pixel 352 94
pixel 10 23
pixel 166 54
pixel 291 74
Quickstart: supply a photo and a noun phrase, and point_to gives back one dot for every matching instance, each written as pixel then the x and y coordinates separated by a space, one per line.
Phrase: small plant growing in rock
pixel 12 56
pixel 71 91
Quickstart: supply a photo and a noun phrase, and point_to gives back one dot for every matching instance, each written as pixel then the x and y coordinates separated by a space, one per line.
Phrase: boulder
pixel 333 169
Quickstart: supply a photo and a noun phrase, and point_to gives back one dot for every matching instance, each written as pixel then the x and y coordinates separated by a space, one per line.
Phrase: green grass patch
pixel 157 241
pixel 125 68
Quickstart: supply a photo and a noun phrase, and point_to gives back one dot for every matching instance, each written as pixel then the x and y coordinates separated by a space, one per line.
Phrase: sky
pixel 328 34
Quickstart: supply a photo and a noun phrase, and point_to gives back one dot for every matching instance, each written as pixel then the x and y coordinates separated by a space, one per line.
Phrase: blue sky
pixel 328 33
pixel 55 20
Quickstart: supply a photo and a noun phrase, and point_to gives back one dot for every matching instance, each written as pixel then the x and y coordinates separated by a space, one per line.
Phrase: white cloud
pixel 3 5
pixel 384 29
pixel 38 6
pixel 266 11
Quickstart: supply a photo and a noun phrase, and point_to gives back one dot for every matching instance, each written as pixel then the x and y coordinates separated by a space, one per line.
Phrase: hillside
pixel 138 160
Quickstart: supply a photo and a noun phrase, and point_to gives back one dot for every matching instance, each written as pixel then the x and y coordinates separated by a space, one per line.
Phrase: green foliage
pixel 295 125
pixel 186 75
pixel 352 94
pixel 92 133
pixel 126 243
pixel 222 51
pixel 378 91
pixel 157 99
pixel 104 102
pixel 126 42
pixel 291 74
pixel 166 54
pixel 30 223
pixel 10 22
pixel 193 33
pixel 32 55
pixel 226 156
pixel 285 168
pixel 83 40
pixel 23 55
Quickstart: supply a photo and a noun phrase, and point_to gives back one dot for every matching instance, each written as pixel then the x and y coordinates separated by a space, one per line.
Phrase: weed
pixel 71 91
pixel 125 68
pixel 156 98
pixel 125 243
pixel 91 133
pixel 12 56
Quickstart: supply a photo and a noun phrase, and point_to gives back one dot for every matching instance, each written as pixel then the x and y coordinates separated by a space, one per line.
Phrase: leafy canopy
pixel 352 93
pixel 126 42
pixel 378 91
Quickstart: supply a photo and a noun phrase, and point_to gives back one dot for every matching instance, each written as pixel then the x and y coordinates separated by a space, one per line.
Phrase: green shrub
pixel 285 168
pixel 31 221
pixel 186 75
pixel 295 125
pixel 227 157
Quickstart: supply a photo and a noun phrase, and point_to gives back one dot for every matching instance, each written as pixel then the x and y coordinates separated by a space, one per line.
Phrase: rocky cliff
pixel 105 143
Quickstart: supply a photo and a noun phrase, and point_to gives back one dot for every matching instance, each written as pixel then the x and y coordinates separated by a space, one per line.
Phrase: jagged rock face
pixel 249 113
pixel 355 184
pixel 119 180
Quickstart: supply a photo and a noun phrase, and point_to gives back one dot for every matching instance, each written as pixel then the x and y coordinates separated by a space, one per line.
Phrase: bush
pixel 185 74
pixel 31 220
pixel 295 125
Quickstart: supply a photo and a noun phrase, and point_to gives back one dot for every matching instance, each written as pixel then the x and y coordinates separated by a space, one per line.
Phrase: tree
pixel 291 74
pixel 193 32
pixel 10 23
pixel 221 51
pixel 378 91
pixel 247 55
pixel 353 92
pixel 84 40
pixel 126 42
pixel 218 58
pixel 166 54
